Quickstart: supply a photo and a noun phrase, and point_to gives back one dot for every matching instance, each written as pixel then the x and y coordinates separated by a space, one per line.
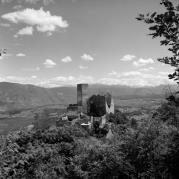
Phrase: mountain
pixel 127 92
pixel 14 95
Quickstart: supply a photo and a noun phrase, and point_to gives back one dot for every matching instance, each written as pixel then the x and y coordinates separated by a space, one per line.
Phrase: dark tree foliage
pixel 118 118
pixel 166 26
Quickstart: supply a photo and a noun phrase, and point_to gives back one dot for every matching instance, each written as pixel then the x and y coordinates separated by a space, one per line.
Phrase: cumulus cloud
pixel 49 63
pixel 25 31
pixel 136 78
pixel 87 57
pixel 128 58
pixel 131 78
pixel 22 80
pixel 42 20
pixel 130 73
pixel 63 79
pixel 67 80
pixel 33 76
pixel 81 67
pixel 164 73
pixel 143 62
pixel 146 69
pixel 20 55
pixel 66 59
pixel 17 79
pixel 113 73
pixel 124 74
pixel 136 81
pixel 85 79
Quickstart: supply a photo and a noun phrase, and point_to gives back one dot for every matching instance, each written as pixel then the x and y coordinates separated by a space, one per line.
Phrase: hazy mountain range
pixel 14 95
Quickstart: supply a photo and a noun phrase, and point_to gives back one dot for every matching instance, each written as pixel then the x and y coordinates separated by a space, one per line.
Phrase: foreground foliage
pixel 149 150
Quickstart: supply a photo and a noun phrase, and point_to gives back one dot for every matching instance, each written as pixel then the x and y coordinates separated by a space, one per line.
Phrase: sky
pixel 64 42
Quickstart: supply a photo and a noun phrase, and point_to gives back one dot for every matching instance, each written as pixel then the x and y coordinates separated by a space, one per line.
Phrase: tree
pixel 166 26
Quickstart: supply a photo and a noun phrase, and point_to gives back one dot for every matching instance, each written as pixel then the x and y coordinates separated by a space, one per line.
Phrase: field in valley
pixel 133 108
pixel 12 124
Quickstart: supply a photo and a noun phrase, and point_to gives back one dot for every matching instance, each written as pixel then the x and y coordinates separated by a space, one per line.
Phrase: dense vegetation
pixel 145 149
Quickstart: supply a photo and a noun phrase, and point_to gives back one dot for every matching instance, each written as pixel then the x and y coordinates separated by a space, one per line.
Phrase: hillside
pixel 14 95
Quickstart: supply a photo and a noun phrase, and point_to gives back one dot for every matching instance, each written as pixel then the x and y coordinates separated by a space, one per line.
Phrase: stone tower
pixel 82 96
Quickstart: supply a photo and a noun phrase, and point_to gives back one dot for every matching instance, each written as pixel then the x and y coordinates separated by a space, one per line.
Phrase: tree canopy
pixel 166 26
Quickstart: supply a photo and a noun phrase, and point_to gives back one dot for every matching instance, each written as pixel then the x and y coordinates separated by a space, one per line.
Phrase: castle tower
pixel 82 96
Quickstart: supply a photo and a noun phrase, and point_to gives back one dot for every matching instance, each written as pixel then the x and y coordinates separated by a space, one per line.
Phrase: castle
pixel 96 107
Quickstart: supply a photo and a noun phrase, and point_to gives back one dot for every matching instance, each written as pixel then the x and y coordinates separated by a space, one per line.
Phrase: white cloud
pixel 63 79
pixel 67 80
pixel 66 59
pixel 25 31
pixel 81 67
pixel 132 78
pixel 143 62
pixel 136 78
pixel 34 76
pixel 42 20
pixel 109 81
pixel 124 74
pixel 137 81
pixel 164 73
pixel 18 79
pixel 22 80
pixel 20 55
pixel 49 63
pixel 87 57
pixel 130 73
pixel 85 79
pixel 113 73
pixel 146 69
pixel 127 58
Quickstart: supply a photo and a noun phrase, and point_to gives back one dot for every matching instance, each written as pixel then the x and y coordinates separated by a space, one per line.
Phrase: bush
pixel 37 154
pixel 150 150
pixel 118 118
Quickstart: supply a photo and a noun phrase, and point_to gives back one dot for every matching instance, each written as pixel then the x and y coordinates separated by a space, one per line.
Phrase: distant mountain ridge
pixel 14 95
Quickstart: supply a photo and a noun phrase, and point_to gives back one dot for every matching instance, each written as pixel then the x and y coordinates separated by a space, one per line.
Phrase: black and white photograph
pixel 89 89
